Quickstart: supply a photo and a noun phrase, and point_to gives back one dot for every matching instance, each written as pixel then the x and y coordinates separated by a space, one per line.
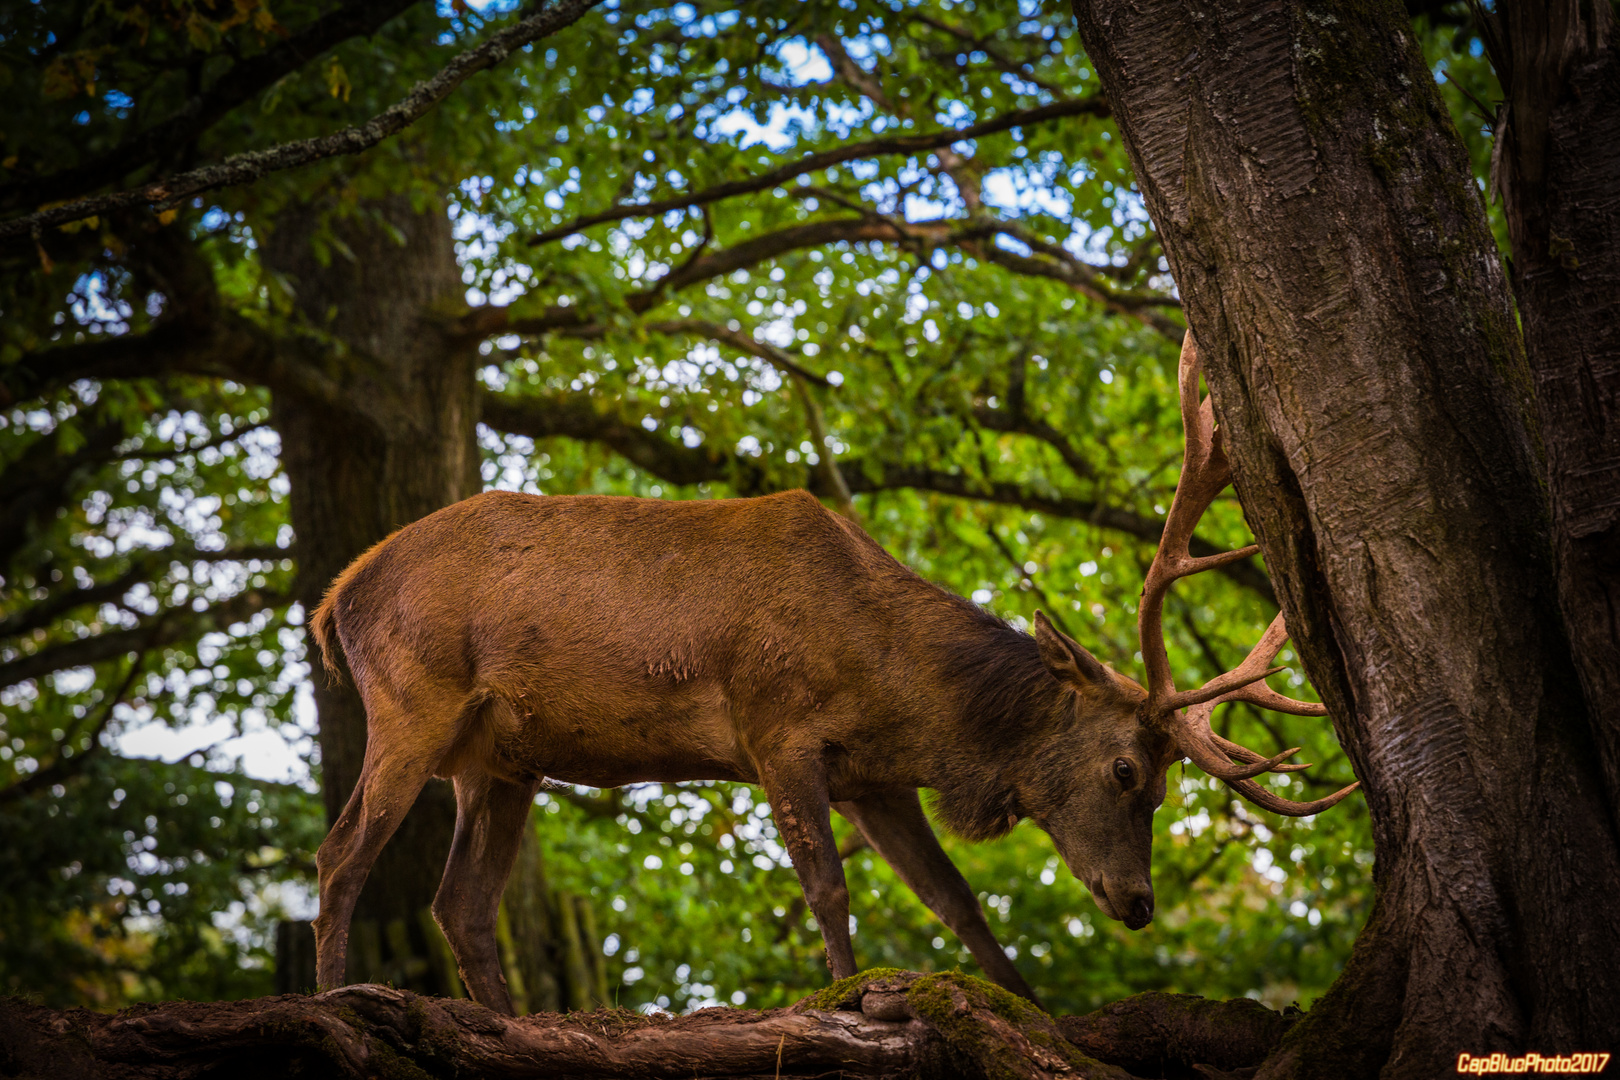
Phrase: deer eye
pixel 1124 771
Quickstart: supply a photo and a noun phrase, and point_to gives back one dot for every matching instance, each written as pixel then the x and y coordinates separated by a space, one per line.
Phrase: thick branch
pixel 64 768
pixel 1017 422
pixel 201 111
pixel 164 628
pixel 242 168
pixel 222 345
pixel 579 417
pixel 881 1023
pixel 737 339
pixel 890 1024
pixel 972 237
pixel 145 567
pixel 490 321
pixel 902 144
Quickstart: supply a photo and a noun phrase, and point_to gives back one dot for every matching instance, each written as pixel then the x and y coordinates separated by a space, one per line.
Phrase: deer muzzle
pixel 1129 903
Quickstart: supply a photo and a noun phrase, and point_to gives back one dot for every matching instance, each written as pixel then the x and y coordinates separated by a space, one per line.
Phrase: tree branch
pixel 145 567
pixel 592 419
pixel 950 1024
pixel 902 144
pixel 164 628
pixel 1047 605
pixel 220 344
pixel 744 343
pixel 490 321
pixel 831 477
pixel 1002 493
pixel 1159 1034
pixel 1082 277
pixel 888 1024
pixel 581 417
pixel 64 767
pixel 243 168
pixel 1016 422
pixel 1020 69
pixel 202 111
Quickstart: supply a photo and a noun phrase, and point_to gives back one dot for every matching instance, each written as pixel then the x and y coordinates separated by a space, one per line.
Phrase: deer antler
pixel 1204 473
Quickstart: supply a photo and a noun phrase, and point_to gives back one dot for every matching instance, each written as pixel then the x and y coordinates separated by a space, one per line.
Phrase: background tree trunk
pixel 1316 207
pixel 1559 173
pixel 373 292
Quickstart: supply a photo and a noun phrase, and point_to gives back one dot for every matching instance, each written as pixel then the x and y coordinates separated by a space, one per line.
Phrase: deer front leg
pixel 797 791
pixel 897 827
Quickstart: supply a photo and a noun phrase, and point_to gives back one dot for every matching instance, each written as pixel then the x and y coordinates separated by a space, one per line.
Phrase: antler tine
pixel 1204 472
pixel 1210 752
pixel 1242 753
pixel 1276 804
pixel 1258 693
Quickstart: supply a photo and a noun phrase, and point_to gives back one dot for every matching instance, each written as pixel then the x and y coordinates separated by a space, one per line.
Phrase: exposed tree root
pixel 879 1024
pixel 1171 1035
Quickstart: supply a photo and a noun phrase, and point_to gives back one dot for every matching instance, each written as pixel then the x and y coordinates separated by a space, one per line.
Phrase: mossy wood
pixel 881 1023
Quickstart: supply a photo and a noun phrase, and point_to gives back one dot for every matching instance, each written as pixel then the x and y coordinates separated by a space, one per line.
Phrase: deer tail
pixel 323 624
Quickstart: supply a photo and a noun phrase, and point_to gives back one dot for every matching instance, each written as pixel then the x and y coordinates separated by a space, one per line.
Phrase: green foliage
pixel 1452 44
pixel 128 878
pixel 137 880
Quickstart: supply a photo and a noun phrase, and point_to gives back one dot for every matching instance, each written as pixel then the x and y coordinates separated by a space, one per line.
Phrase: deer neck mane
pixel 999 706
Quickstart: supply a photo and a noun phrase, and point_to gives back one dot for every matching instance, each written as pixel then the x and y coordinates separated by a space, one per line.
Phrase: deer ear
pixel 1067 660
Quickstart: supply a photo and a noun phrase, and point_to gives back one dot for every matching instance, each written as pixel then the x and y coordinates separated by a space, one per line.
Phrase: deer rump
pixel 603 641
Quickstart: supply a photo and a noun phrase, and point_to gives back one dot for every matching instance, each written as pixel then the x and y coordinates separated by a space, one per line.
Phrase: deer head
pixel 1125 737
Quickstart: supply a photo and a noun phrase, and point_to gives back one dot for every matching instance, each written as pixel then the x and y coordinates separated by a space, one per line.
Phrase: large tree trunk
pixel 373 292
pixel 1559 172
pixel 1318 213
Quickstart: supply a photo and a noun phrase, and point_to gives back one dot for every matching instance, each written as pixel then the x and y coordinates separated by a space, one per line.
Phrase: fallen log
pixel 878 1024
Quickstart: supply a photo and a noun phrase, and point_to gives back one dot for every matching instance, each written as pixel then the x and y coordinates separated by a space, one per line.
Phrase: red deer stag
pixel 608 641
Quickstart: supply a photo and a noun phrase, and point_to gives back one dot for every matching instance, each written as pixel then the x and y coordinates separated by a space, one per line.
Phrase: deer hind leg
pixel 491 815
pixel 895 824
pixel 402 751
pixel 798 798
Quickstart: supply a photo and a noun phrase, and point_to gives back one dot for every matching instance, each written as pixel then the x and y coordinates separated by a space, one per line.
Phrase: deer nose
pixel 1140 913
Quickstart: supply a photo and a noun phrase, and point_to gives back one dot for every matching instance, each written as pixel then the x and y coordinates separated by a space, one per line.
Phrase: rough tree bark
pixel 879 1024
pixel 1558 169
pixel 1316 207
pixel 397 442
